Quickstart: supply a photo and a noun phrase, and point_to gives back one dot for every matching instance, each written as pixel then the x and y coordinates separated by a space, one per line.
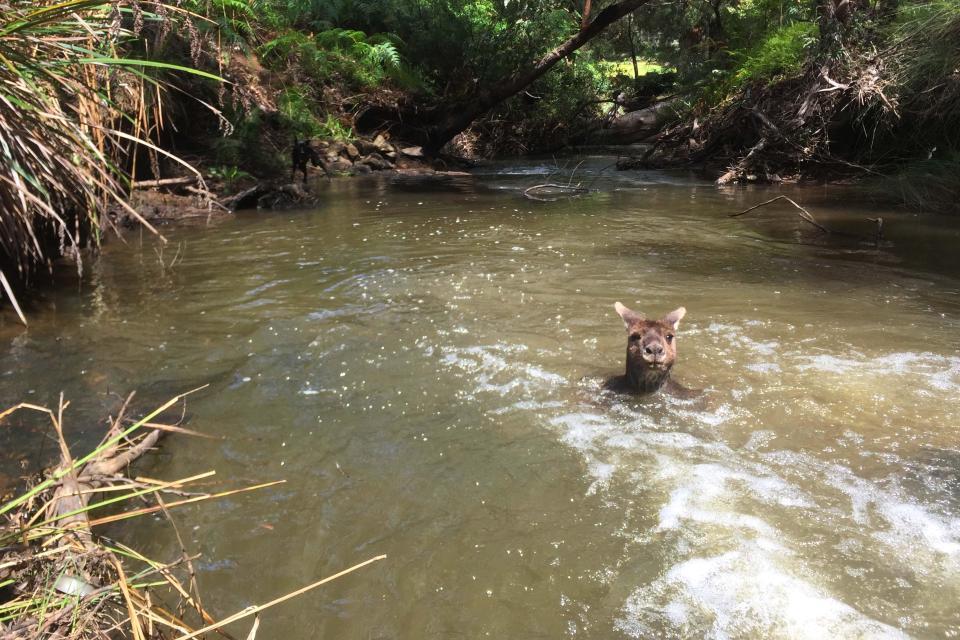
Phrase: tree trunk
pixel 458 118
pixel 633 50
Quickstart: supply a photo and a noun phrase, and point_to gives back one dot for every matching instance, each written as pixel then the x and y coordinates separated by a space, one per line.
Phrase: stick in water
pixel 249 611
pixel 806 215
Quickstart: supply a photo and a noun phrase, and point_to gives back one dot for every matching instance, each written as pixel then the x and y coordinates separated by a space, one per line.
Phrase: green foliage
pixel 300 113
pixel 259 144
pixel 782 53
pixel 625 68
pixel 233 20
pixel 553 110
pixel 333 129
pixel 227 173
pixel 344 54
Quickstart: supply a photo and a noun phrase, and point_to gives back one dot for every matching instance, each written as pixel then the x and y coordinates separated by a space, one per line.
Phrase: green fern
pixel 384 54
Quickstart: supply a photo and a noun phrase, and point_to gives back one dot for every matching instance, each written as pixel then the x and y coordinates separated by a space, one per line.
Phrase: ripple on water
pixel 500 371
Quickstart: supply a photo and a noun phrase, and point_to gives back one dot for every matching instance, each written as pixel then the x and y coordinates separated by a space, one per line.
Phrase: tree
pixel 436 127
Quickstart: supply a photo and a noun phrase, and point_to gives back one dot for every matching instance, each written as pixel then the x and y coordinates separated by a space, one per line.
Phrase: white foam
pixel 901 530
pixel 747 592
pixel 497 369
pixel 911 524
pixel 939 371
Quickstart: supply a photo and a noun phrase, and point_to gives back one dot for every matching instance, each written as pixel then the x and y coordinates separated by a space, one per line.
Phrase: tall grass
pixel 923 60
pixel 72 112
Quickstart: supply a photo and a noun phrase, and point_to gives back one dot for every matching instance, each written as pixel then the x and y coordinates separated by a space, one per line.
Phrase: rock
pixel 341 165
pixel 352 152
pixel 361 169
pixel 412 152
pixel 365 146
pixel 375 161
pixel 638 125
pixel 392 155
pixel 380 142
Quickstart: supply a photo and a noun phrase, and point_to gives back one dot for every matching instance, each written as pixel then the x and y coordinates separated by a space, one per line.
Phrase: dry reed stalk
pixel 50 530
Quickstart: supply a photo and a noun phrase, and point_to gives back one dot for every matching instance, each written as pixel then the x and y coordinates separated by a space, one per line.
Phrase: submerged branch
pixel 803 213
pixel 532 192
pixel 249 611
pixel 877 236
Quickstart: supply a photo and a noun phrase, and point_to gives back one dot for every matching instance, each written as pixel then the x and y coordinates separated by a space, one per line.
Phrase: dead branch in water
pixel 530 192
pixel 806 215
pixel 876 237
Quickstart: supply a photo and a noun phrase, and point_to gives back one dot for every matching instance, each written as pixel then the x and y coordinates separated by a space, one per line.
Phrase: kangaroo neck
pixel 647 380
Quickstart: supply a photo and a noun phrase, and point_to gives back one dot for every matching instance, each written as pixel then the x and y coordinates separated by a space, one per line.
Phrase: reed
pixel 60 579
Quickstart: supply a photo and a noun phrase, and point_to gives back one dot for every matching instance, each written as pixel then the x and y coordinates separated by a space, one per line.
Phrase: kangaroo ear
pixel 629 317
pixel 674 317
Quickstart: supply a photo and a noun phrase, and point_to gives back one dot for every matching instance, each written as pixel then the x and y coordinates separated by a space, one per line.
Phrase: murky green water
pixel 421 362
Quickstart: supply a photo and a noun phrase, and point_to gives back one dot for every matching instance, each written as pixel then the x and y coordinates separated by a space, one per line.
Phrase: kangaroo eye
pixel 669 337
pixel 634 337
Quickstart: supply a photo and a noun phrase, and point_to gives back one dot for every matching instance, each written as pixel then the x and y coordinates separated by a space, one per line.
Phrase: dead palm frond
pixel 72 112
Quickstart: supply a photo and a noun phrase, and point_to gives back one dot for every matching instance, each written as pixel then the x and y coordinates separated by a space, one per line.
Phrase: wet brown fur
pixel 651 354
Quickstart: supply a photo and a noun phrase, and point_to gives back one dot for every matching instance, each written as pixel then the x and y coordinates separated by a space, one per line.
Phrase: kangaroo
pixel 651 353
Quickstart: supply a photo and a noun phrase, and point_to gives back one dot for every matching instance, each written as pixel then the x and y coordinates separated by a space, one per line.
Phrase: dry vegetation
pixel 60 579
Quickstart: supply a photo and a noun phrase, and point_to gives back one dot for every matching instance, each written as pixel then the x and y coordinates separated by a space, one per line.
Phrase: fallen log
pixel 164 182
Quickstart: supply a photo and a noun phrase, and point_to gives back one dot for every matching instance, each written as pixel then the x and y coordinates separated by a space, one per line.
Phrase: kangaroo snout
pixel 653 350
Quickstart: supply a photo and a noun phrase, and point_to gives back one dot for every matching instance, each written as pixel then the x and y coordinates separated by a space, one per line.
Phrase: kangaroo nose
pixel 654 349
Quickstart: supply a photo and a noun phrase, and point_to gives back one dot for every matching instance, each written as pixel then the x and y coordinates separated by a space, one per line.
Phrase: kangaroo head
pixel 651 347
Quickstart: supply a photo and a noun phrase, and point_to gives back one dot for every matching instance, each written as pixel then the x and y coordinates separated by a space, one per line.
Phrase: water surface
pixel 421 361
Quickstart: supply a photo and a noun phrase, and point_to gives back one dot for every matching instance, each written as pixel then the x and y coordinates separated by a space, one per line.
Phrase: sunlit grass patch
pixel 612 69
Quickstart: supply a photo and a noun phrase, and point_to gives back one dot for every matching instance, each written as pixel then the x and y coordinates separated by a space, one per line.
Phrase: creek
pixel 421 360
